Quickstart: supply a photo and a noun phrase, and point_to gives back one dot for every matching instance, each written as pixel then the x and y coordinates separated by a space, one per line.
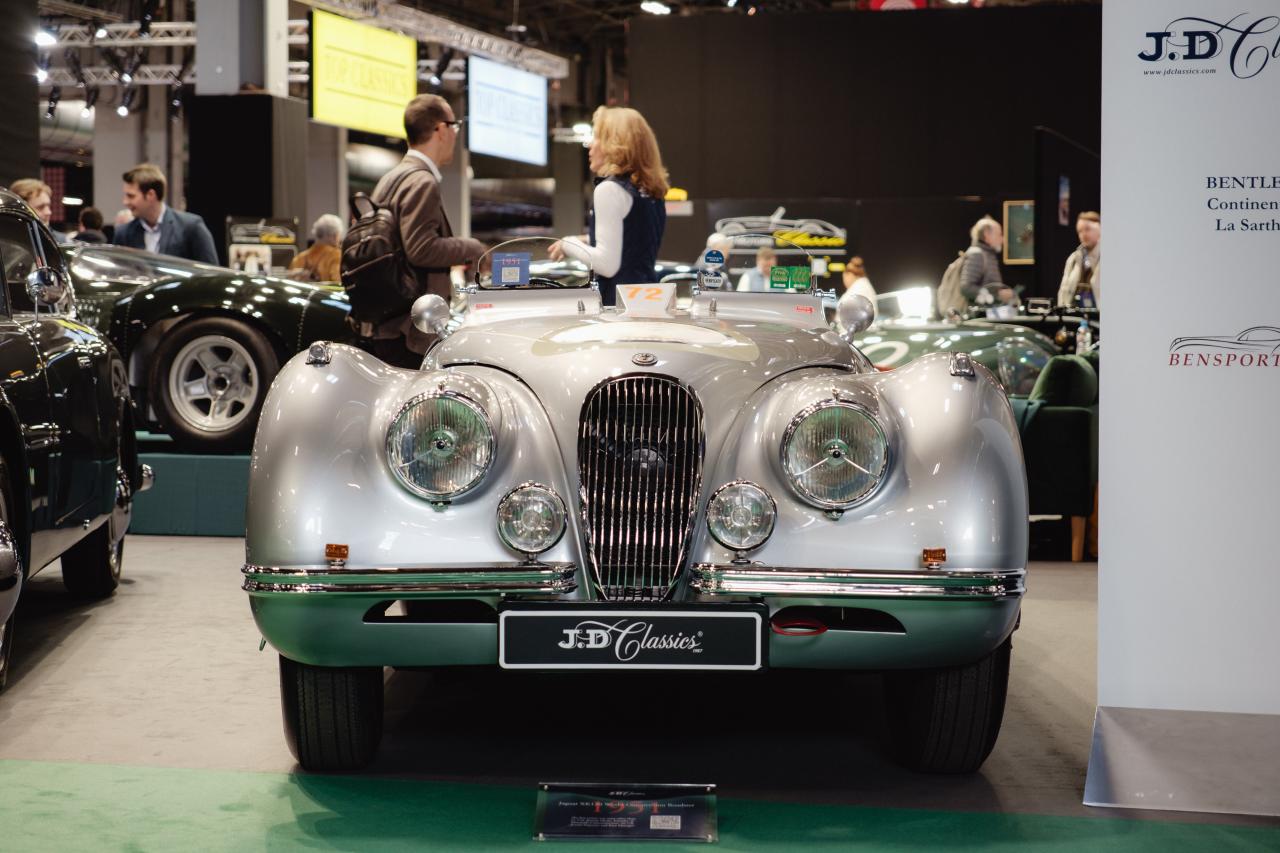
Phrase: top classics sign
pixel 1250 45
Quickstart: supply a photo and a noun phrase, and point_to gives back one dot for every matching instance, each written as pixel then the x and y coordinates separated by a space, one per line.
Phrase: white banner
pixel 1189 582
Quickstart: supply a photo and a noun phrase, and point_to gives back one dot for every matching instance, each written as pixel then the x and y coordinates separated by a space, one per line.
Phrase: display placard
pixel 626 812
pixel 506 112
pixel 647 300
pixel 362 77
pixel 511 269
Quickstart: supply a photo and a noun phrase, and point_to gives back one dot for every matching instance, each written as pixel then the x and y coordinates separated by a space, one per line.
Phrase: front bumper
pixel 755 579
pixel 474 578
pixel 321 614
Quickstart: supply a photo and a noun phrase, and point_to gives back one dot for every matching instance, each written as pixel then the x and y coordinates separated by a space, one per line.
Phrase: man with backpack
pixel 383 278
pixel 974 276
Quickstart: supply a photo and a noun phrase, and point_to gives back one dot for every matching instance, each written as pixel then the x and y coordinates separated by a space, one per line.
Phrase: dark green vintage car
pixel 202 343
pixel 906 328
pixel 68 461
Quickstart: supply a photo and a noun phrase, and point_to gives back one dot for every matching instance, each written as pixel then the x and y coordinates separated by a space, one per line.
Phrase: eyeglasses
pixel 456 124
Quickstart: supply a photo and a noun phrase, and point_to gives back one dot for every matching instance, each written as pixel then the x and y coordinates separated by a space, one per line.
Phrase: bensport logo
pixel 1258 346
pixel 1245 45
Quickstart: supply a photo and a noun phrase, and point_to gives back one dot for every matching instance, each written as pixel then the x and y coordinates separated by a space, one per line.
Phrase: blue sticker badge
pixel 713 258
pixel 511 269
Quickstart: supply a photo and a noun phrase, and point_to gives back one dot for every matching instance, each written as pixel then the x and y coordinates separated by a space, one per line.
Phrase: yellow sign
pixel 362 77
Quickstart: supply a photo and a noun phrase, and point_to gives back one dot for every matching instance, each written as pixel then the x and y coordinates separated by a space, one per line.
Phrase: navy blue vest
pixel 641 235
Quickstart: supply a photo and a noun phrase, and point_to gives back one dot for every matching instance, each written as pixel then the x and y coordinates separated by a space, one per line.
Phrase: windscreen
pixel 530 263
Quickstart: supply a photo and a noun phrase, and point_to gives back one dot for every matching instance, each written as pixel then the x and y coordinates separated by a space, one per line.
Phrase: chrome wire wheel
pixel 214 383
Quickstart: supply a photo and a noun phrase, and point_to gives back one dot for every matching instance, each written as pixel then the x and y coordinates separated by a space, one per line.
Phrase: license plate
pixel 569 637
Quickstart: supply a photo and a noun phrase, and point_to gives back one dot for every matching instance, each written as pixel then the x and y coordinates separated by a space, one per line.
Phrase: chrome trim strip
pixel 982 584
pixel 492 578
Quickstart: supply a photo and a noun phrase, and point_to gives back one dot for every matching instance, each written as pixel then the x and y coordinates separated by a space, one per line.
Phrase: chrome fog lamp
pixel 834 454
pixel 740 515
pixel 531 518
pixel 440 445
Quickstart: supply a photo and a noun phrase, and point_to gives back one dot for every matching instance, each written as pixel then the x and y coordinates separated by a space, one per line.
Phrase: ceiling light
pixel 72 200
pixel 44 38
pixel 126 102
pixel 653 7
pixel 731 3
pixel 41 75
pixel 99 31
pixel 582 128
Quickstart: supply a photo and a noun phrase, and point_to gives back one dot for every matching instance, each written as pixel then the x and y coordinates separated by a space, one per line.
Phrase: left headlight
pixel 834 454
pixel 531 518
pixel 440 445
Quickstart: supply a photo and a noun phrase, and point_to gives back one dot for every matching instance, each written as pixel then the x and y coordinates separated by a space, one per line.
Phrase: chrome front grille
pixel 640 448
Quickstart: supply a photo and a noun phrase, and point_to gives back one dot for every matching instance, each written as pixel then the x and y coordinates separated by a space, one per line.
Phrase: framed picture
pixel 1019 232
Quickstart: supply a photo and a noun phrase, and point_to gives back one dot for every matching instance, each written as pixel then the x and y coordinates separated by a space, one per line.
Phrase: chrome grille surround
pixel 640 452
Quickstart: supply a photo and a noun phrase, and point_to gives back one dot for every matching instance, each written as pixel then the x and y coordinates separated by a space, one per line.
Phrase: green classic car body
pixel 138 299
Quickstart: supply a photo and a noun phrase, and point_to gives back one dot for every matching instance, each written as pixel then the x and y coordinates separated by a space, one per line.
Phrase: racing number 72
pixel 651 294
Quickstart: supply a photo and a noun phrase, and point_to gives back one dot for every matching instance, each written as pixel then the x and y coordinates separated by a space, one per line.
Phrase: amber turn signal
pixel 336 552
pixel 933 558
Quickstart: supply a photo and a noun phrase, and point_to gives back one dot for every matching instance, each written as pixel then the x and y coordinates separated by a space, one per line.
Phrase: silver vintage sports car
pixel 563 486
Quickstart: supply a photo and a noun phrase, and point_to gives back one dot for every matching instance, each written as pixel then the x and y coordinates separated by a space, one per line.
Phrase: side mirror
pixel 854 313
pixel 430 314
pixel 46 286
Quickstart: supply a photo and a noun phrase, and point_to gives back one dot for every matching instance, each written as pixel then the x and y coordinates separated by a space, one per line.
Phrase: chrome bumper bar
pixel 148 478
pixel 751 579
pixel 483 578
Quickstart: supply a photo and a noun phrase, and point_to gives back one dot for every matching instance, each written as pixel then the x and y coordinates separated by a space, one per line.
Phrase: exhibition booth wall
pixel 937 107
pixel 1189 702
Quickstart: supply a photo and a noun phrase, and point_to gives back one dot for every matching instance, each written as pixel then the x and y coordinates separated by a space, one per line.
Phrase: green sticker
pixel 787 278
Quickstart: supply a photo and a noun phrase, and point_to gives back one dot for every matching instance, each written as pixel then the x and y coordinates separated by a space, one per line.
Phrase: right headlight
pixel 834 454
pixel 440 445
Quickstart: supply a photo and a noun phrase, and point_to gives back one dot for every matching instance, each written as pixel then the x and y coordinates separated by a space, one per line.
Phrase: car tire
pixel 91 567
pixel 208 381
pixel 332 715
pixel 947 720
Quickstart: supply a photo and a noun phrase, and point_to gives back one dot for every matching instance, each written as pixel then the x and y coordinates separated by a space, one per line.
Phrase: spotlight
pixel 442 66
pixel 90 98
pixel 148 14
pixel 731 3
pixel 131 68
pixel 126 102
pixel 77 70
pixel 55 95
pixel 44 38
pixel 99 30
pixel 653 7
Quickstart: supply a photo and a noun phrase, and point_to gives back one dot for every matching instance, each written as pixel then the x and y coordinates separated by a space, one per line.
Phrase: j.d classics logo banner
pixel 1245 45
pixel 1258 346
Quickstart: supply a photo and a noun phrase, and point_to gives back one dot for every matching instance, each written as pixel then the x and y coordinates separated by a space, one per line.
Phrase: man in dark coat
pixel 157 227
pixel 429 244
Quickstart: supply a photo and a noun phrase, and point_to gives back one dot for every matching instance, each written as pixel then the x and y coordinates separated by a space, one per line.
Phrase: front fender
pixel 319 471
pixel 955 477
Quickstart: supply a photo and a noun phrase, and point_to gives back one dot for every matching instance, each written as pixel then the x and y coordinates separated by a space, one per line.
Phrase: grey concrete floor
pixel 168 673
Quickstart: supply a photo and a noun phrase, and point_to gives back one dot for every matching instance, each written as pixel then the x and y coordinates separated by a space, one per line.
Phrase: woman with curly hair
pixel 628 212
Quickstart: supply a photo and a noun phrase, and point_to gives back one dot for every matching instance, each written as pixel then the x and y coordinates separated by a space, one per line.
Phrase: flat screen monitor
pixel 506 112
pixel 362 77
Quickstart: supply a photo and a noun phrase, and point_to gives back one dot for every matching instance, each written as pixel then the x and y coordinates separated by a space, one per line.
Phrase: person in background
pixel 856 281
pixel 90 227
pixel 323 260
pixel 412 191
pixel 980 279
pixel 629 213
pixel 157 227
pixel 39 197
pixel 756 279
pixel 1081 275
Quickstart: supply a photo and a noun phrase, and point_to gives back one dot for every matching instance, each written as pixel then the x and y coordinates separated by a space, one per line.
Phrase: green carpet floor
pixel 66 807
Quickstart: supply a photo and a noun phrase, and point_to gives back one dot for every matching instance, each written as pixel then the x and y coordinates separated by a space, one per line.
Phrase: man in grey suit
pixel 157 227
pixel 412 191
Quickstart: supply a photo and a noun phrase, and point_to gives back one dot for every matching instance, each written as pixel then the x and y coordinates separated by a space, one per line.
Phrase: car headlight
pixel 740 515
pixel 834 454
pixel 440 445
pixel 531 518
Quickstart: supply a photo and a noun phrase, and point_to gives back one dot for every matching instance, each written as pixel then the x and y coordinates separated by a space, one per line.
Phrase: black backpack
pixel 375 273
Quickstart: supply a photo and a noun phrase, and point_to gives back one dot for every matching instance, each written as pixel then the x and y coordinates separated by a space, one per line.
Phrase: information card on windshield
pixel 511 269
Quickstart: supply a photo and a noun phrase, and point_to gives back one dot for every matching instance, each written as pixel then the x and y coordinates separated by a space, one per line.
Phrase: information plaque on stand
pixel 624 811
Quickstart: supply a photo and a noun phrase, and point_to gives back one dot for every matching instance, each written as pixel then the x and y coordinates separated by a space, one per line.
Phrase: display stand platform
pixel 193 495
